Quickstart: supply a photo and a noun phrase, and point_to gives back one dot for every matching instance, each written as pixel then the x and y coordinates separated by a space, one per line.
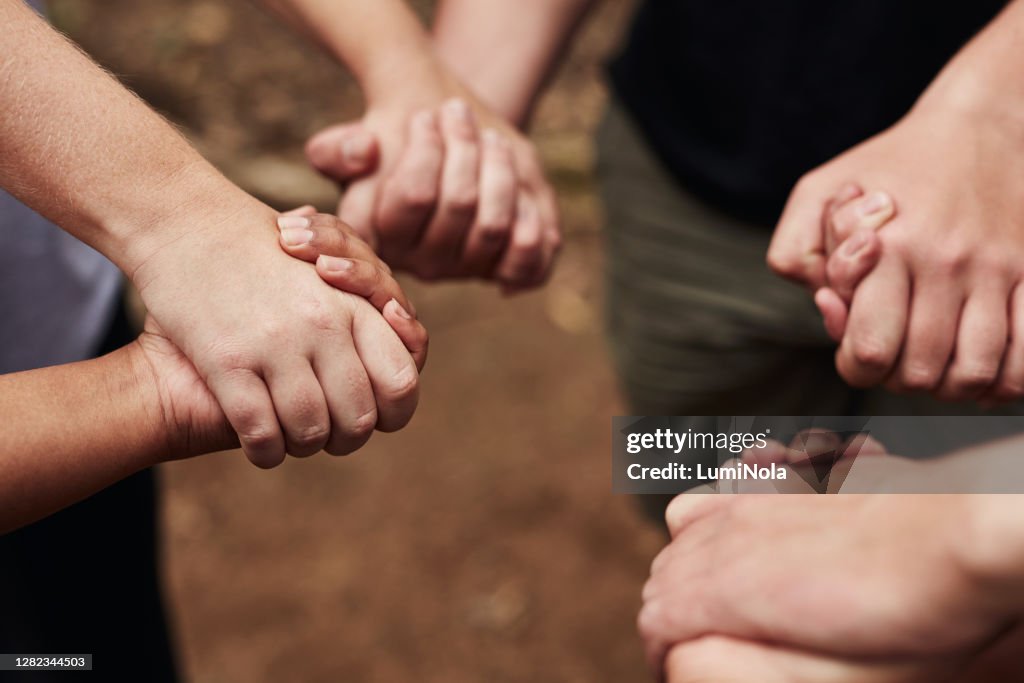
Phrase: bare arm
pixel 82 150
pixel 72 430
pixel 443 202
pixel 381 42
pixel 505 50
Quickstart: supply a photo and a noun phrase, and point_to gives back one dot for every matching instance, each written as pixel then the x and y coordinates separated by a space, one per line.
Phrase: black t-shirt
pixel 741 97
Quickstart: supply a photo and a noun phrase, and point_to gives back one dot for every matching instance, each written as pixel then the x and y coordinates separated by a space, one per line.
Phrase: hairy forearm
pixel 382 42
pixel 79 148
pixel 71 430
pixel 505 50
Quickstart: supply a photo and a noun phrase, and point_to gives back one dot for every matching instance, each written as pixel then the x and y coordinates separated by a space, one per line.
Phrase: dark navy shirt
pixel 740 98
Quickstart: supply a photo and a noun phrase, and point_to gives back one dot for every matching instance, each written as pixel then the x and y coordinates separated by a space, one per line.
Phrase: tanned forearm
pixel 72 430
pixel 79 148
pixel 505 50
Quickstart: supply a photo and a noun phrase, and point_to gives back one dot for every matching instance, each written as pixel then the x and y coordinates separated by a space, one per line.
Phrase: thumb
pixel 344 152
pixel 797 250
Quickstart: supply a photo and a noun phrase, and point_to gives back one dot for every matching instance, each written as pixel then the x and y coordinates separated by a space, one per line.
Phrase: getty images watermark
pixel 757 454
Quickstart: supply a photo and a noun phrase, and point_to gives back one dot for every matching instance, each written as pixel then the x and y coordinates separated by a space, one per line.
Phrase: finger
pixel 851 263
pixel 307 238
pixel 980 344
pixel 246 403
pixel 876 326
pixel 357 206
pixel 362 279
pixel 686 509
pixel 551 245
pixel 834 311
pixel 442 243
pixel 300 405
pixel 349 396
pixel 772 452
pixel 867 213
pixel 391 370
pixel 1010 384
pixel 411 331
pixel 344 152
pixel 497 211
pixel 409 193
pixel 931 334
pixel 848 192
pixel 523 257
pixel 863 444
pixel 797 250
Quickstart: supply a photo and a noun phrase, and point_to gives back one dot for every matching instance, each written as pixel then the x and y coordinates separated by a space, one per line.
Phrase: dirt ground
pixel 482 543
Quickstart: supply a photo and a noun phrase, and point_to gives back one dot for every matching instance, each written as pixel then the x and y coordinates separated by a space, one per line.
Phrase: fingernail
pixel 292 222
pixel 401 311
pixel 335 264
pixel 296 237
pixel 854 245
pixel 357 149
pixel 875 202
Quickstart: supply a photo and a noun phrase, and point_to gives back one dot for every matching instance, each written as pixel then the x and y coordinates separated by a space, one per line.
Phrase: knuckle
pixel 973 377
pixel 314 314
pixel 871 353
pixel 781 261
pixel 1010 389
pixel 233 357
pixel 312 436
pixel 258 437
pixel 494 229
pixel 920 378
pixel 420 196
pixel 404 384
pixel 362 427
pixel 463 201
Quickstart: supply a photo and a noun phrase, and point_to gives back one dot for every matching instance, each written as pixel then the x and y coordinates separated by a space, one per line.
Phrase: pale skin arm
pixel 296 366
pixel 943 311
pixel 505 50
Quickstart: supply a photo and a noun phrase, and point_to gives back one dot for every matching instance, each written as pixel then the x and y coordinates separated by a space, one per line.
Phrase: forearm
pixel 985 77
pixel 82 150
pixel 71 430
pixel 382 42
pixel 505 50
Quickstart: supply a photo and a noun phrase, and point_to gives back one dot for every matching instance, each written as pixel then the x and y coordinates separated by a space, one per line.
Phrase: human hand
pixel 346 262
pixel 192 419
pixel 295 365
pixel 937 312
pixel 446 200
pixel 848 577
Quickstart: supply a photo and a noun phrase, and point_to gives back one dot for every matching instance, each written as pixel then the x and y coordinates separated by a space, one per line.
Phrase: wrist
pixel 189 201
pixel 210 219
pixel 137 384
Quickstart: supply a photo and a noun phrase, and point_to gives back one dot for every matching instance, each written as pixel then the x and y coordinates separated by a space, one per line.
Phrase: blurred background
pixel 482 543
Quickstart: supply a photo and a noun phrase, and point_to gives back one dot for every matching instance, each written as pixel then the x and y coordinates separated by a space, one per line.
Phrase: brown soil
pixel 482 543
